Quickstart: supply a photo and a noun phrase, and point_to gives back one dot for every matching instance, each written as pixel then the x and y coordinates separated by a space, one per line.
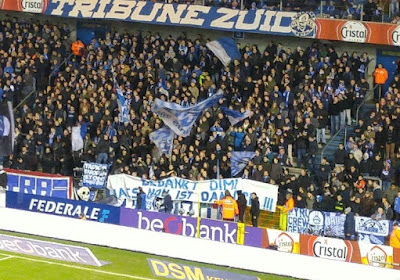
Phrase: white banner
pixel 125 187
pixel 370 226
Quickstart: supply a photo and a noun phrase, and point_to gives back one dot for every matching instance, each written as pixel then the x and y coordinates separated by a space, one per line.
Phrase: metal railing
pixel 330 141
pixel 370 91
pixel 58 67
pixel 27 97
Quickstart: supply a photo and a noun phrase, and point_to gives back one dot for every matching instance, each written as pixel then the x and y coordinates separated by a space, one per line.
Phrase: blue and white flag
pixel 163 89
pixel 163 138
pixel 235 116
pixel 225 49
pixel 181 119
pixel 123 107
pixel 6 129
pixel 239 160
pixel 78 135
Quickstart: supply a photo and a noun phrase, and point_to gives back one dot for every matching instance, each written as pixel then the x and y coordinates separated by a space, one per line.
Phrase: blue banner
pixel 235 116
pixel 39 183
pixel 64 207
pixel 181 119
pixel 225 19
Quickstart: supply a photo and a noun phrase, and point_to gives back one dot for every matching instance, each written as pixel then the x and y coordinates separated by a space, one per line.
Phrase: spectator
pixel 380 73
pixel 289 204
pixel 3 178
pixel 242 204
pixel 379 214
pixel 167 204
pixel 349 225
pixel 141 200
pixel 255 209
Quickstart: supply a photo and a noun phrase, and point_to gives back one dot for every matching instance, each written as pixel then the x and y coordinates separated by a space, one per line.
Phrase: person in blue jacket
pixel 141 199
pixel 238 134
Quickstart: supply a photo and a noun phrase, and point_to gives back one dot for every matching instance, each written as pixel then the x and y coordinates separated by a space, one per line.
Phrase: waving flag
pixel 77 136
pixel 163 138
pixel 239 160
pixel 123 108
pixel 6 129
pixel 163 85
pixel 225 49
pixel 235 116
pixel 181 119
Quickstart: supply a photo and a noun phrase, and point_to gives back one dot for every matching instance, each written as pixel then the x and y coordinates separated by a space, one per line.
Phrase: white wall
pixel 199 250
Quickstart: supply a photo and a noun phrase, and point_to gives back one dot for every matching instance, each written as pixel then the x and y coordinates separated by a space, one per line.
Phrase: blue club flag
pixel 6 129
pixel 225 49
pixel 181 119
pixel 239 160
pixel 123 107
pixel 163 138
pixel 235 116
pixel 163 89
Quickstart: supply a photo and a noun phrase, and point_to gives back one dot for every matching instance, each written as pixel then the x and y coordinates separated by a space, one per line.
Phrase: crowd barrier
pixel 220 231
pixel 300 24
pixel 330 224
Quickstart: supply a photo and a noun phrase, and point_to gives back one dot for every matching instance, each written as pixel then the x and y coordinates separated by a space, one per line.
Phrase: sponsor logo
pixel 303 24
pixel 284 243
pixel 376 256
pixel 396 36
pixel 179 271
pixel 33 6
pixel 217 231
pixel 48 250
pixel 68 209
pixel 315 223
pixel 333 249
pixel 354 31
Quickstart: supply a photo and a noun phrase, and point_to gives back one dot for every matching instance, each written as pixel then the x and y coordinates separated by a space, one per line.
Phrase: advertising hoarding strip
pixel 300 24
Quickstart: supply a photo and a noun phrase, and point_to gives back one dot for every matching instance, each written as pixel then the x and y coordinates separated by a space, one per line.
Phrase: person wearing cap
pixel 394 240
pixel 349 225
pixel 229 207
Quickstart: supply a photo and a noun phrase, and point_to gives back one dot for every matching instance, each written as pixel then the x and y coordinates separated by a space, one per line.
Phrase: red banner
pixel 29 6
pixel 358 32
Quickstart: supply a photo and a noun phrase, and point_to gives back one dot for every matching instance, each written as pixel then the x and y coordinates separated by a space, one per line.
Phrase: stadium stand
pixel 297 99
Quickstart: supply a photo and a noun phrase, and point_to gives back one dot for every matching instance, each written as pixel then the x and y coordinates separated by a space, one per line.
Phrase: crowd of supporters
pixel 296 98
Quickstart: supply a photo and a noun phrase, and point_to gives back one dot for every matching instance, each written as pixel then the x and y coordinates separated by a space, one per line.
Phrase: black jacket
pixel 349 225
pixel 255 207
pixel 3 179
pixel 242 202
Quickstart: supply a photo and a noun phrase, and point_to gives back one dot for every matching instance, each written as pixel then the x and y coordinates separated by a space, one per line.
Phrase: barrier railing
pixel 369 92
pixel 27 97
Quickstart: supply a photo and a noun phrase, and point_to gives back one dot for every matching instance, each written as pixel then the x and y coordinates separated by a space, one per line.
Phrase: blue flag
pixel 123 107
pixel 239 160
pixel 181 119
pixel 235 116
pixel 163 89
pixel 6 129
pixel 163 138
pixel 225 49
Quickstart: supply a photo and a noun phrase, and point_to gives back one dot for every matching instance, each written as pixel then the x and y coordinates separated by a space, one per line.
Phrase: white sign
pixel 126 187
pixel 370 226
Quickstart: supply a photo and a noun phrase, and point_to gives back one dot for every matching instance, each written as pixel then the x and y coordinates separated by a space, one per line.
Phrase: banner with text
pixel 39 183
pixel 94 175
pixel 126 187
pixel 64 207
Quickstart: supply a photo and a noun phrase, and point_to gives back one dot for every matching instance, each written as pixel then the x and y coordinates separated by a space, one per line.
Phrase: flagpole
pixel 217 168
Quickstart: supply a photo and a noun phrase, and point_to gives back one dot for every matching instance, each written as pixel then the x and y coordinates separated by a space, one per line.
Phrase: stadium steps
pixel 266 220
